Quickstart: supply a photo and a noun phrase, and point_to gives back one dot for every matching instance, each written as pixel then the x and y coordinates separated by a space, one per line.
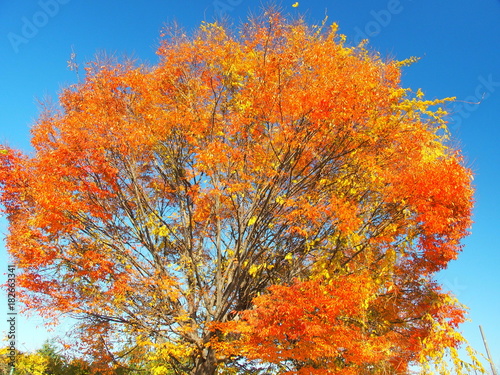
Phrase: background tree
pixel 49 360
pixel 181 210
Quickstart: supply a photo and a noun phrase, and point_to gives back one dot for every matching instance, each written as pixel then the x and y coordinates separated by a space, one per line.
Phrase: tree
pixel 275 196
pixel 55 362
pixel 25 363
pixel 58 364
pixel 47 361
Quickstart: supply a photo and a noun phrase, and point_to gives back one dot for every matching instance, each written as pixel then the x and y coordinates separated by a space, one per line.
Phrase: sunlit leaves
pixel 274 196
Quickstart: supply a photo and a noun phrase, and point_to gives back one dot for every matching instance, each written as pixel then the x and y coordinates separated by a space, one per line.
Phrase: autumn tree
pixel 268 200
pixel 49 360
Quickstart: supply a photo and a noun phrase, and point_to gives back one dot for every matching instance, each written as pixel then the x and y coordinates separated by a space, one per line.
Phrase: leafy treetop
pixel 271 201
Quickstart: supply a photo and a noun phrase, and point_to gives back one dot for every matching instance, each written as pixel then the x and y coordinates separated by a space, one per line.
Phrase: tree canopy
pixel 268 200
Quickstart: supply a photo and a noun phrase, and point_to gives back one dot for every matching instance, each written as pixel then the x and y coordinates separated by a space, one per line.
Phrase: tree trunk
pixel 205 364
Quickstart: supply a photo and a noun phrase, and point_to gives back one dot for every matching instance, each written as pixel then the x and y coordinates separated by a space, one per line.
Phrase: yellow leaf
pixel 296 4
pixel 253 270
pixel 252 220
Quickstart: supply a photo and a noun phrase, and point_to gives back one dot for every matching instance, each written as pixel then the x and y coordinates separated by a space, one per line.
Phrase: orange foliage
pixel 161 201
pixel 344 325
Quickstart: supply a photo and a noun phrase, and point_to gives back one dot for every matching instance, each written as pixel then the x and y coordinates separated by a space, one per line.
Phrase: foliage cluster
pixel 269 201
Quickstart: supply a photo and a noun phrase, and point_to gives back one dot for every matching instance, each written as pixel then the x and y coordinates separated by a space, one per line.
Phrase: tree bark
pixel 205 364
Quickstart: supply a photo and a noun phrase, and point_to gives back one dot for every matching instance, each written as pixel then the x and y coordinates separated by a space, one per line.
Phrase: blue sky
pixel 458 43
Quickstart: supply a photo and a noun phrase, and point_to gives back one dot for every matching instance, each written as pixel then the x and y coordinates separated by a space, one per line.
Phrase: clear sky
pixel 458 42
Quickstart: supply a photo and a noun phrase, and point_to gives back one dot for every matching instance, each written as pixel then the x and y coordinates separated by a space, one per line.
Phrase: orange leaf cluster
pixel 161 201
